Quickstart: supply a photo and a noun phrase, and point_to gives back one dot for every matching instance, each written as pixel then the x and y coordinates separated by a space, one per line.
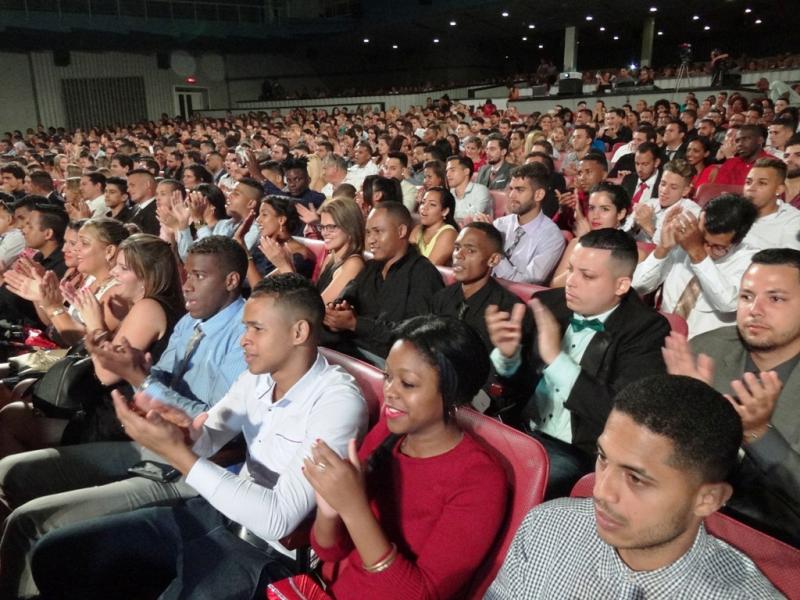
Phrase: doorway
pixel 190 99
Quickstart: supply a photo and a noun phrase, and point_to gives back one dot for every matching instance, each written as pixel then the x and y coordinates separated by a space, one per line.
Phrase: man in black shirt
pixel 477 250
pixel 44 232
pixel 395 285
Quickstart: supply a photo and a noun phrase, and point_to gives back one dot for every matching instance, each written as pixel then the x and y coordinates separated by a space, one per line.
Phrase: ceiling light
pixel 706 28
pixel 602 29
pixel 541 46
pixel 696 18
pixel 653 9
pixel 452 23
pixel 366 40
pixel 660 33
pixel 758 21
pixel 531 26
pixel 747 11
pixel 504 13
pixel 616 37
pixel 589 18
pixel 524 38
pixel 435 40
pixel 394 46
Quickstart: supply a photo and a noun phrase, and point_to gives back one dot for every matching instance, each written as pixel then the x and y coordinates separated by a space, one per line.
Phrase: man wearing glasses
pixel 533 244
pixel 700 262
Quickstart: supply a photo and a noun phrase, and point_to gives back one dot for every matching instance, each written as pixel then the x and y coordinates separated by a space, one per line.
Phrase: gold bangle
pixel 383 563
pixel 57 311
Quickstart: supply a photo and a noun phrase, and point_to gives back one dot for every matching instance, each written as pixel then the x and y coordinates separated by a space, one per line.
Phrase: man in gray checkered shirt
pixel 667 447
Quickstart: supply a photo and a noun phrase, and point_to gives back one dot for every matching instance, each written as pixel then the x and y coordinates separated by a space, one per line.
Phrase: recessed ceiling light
pixel 758 21
pixel 504 13
pixel 706 28
pixel 653 9
pixel 602 29
pixel 660 33
pixel 747 11
pixel 696 18
pixel 394 46
pixel 616 37
pixel 531 26
pixel 541 46
pixel 589 18
pixel 524 38
pixel 435 40
pixel 452 23
pixel 366 40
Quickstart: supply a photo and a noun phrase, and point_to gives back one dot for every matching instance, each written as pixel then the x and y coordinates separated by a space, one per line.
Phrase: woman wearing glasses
pixel 342 227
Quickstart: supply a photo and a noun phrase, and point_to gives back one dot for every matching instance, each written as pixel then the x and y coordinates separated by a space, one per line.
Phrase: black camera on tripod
pixel 685 53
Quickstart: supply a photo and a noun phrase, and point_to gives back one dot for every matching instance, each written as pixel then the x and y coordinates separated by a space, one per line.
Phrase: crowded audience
pixel 172 294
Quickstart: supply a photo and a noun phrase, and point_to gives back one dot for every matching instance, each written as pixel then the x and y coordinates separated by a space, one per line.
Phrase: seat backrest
pixel 499 202
pixel 527 467
pixel 368 378
pixel 708 191
pixel 779 562
pixel 320 252
pixel 524 291
pixel 676 323
pixel 447 274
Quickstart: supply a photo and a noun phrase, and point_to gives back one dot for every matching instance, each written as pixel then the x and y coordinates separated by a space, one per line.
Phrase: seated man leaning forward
pixel 667 448
pixel 226 540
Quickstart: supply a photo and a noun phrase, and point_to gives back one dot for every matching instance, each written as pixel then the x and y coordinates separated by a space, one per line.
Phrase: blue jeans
pixel 567 465
pixel 184 551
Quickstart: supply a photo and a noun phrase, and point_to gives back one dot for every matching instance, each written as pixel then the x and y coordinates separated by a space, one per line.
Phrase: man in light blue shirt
pixel 47 489
pixel 593 336
pixel 533 243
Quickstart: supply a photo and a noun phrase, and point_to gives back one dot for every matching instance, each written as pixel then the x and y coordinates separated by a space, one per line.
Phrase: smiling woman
pixel 428 487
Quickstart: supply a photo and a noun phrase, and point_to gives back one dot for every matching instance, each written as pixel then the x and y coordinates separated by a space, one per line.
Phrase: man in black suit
pixel 675 140
pixel 593 337
pixel 642 185
pixel 142 192
pixel 623 158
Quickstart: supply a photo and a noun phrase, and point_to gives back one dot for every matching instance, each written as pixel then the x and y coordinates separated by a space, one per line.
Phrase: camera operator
pixel 719 65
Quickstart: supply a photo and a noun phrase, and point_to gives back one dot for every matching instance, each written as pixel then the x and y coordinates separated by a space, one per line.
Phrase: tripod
pixel 683 75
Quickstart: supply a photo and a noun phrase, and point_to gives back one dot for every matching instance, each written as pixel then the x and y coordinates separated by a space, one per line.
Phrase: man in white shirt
pixel 780 131
pixel 778 223
pixel 533 243
pixel 471 197
pixel 395 168
pixel 701 262
pixel 363 165
pixel 673 189
pixel 93 186
pixel 227 540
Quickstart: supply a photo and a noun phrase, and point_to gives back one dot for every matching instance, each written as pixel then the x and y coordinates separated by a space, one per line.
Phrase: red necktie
pixel 638 195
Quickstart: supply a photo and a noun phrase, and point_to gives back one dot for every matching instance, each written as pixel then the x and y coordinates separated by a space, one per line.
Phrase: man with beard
pixel 757 364
pixel 496 173
pixel 791 157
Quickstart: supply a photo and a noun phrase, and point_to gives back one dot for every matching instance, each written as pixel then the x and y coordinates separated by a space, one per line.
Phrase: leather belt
pixel 248 536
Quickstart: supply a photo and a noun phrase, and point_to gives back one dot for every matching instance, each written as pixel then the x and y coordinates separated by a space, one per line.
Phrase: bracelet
pixel 383 563
pixel 58 311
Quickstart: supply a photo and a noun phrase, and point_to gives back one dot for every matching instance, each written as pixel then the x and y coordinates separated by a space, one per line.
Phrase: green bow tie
pixel 581 324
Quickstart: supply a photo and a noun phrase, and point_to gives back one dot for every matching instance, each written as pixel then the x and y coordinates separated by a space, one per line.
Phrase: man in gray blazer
pixel 496 173
pixel 757 365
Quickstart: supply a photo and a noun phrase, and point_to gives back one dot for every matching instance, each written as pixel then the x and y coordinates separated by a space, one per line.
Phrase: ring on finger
pixel 321 466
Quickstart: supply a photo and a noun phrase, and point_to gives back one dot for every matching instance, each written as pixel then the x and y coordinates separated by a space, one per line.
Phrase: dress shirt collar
pixel 667 577
pixel 602 317
pixel 302 388
pixel 650 182
pixel 531 226
pixel 221 319
pixel 410 253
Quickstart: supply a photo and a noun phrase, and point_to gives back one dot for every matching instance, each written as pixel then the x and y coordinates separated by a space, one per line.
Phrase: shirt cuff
pixel 562 373
pixel 204 477
pixel 506 366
